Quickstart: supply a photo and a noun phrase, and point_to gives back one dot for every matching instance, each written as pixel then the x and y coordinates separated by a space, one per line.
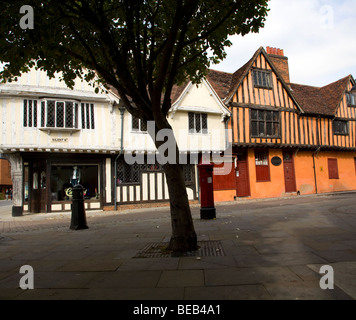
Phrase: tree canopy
pixel 141 48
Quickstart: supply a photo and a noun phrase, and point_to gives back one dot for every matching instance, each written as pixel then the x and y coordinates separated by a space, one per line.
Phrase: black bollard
pixel 78 220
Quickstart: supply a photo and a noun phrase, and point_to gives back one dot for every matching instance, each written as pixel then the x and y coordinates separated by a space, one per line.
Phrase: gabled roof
pixel 324 100
pixel 241 73
pixel 220 81
pixel 179 92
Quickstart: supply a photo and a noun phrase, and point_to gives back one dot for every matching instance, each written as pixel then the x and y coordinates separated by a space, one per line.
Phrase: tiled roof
pixel 324 100
pixel 312 100
pixel 239 75
pixel 220 81
pixel 177 91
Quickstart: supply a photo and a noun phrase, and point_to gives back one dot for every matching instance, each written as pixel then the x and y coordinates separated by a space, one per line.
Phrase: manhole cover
pixel 158 250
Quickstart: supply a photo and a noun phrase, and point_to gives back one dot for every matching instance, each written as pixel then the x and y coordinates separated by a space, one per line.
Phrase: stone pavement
pixel 267 249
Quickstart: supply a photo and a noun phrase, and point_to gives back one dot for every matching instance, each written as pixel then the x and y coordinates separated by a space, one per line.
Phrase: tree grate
pixel 158 250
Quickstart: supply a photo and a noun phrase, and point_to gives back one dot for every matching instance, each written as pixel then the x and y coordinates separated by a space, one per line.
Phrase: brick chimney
pixel 277 57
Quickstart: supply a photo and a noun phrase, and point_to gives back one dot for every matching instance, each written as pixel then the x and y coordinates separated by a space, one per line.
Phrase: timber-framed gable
pixel 264 111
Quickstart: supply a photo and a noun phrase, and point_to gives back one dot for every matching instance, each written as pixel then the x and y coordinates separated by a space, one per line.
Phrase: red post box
pixel 207 210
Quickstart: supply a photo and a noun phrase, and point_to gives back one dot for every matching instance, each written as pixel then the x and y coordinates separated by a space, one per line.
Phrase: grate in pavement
pixel 158 250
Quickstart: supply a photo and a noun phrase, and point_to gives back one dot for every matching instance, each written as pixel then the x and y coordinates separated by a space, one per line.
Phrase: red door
pixel 242 176
pixel 289 174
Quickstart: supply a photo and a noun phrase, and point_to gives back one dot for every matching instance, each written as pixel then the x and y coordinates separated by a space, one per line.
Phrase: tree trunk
pixel 183 237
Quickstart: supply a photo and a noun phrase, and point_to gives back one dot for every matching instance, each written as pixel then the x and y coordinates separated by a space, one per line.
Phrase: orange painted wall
pixel 224 195
pixel 268 189
pixel 304 172
pixel 5 176
pixel 346 169
pixel 304 175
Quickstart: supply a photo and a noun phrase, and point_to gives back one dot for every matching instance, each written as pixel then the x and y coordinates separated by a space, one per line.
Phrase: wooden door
pixel 289 173
pixel 38 191
pixel 242 176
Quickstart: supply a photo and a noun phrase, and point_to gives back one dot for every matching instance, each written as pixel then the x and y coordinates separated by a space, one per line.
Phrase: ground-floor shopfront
pixel 48 180
pixel 268 173
pixel 50 177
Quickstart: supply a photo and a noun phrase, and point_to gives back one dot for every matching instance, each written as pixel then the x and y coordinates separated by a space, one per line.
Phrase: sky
pixel 317 36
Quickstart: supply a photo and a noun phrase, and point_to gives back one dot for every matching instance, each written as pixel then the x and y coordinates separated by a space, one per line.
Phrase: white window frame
pixel 197 118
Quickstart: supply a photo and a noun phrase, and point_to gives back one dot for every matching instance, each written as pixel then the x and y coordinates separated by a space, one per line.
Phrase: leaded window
pixel 197 122
pixel 351 99
pixel 30 113
pixel 341 127
pixel 188 174
pixel 87 116
pixel 128 174
pixel 262 79
pixel 265 123
pixel 59 114
pixel 138 125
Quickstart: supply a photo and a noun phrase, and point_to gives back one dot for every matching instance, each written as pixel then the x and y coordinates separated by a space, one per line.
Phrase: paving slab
pixel 181 278
pixel 344 276
pixel 244 276
pixel 244 292
pixel 273 249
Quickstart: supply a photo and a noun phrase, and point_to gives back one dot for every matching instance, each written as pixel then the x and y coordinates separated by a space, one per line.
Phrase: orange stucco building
pixel 287 139
pixel 5 176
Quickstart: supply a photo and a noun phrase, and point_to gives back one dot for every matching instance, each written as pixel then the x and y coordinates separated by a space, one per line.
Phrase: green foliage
pixel 141 48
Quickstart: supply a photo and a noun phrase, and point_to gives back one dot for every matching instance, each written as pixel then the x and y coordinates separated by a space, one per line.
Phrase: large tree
pixel 142 48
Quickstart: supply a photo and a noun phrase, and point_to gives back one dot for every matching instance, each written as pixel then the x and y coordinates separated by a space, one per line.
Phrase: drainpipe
pixel 315 154
pixel 122 111
pixel 315 180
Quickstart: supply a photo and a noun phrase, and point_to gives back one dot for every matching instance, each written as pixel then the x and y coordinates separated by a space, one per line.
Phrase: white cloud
pixel 317 36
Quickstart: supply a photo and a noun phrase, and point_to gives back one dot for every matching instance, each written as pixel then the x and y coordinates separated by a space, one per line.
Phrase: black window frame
pixel 265 123
pixel 60 114
pixel 30 113
pixel 128 174
pixel 351 99
pixel 345 131
pixel 262 79
pixel 138 125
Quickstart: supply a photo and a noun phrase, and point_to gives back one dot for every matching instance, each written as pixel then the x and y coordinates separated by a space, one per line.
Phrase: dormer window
pixel 351 98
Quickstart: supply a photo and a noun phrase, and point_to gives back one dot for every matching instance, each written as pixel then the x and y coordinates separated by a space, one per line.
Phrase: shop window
pixel 35 181
pixel 30 113
pixel 333 169
pixel 65 177
pixel 262 166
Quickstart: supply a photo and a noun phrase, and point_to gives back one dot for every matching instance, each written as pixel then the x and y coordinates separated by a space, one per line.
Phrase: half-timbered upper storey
pixel 268 111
